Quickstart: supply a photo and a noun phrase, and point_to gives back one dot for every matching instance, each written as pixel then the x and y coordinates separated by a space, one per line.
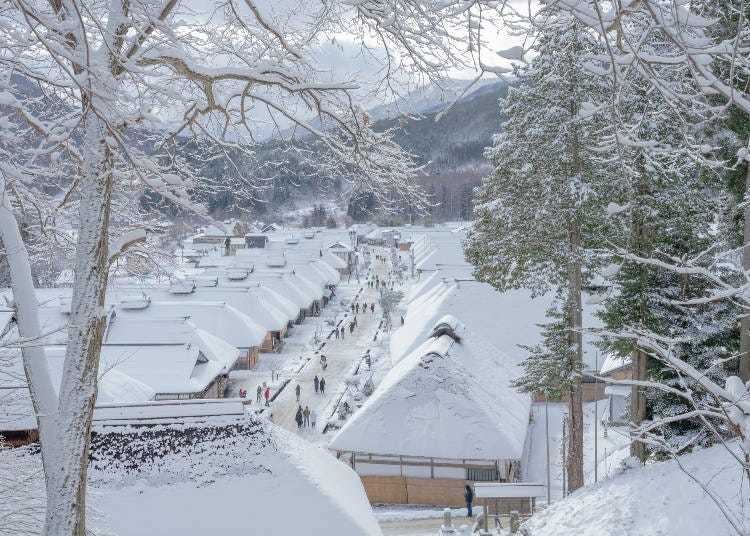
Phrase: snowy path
pixel 342 355
pixel 299 361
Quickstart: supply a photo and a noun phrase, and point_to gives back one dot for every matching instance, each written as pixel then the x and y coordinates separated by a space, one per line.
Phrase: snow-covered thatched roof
pixel 259 306
pixel 450 397
pixel 204 468
pixel 230 475
pixel 218 318
pixel 289 286
pixel 505 319
pixel 340 246
pixel 168 358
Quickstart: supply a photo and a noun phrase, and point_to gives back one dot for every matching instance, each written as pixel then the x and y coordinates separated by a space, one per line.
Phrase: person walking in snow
pixel 298 390
pixel 336 332
pixel 372 308
pixel 298 417
pixel 469 497
pixel 343 332
pixel 267 395
pixel 316 383
pixel 322 385
pixel 402 320
pixel 306 414
pixel 313 419
pixel 258 394
pixel 357 308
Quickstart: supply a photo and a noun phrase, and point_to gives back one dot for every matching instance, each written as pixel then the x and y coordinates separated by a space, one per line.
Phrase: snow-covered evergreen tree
pixel 548 365
pixel 673 200
pixel 541 211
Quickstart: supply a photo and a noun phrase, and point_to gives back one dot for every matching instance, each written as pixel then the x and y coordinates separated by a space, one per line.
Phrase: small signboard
pixel 513 490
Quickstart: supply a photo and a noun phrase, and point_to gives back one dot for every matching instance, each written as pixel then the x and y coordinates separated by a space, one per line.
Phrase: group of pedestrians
pixel 356 308
pixel 305 418
pixel 340 332
pixel 263 392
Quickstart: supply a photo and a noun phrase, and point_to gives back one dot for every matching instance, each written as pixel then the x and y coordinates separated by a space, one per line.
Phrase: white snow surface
pixel 229 475
pixel 257 305
pixel 277 484
pixel 446 399
pixel 218 318
pixel 657 500
pixel 505 319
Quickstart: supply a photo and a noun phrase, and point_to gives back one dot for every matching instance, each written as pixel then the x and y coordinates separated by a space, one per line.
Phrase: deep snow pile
pixel 246 475
pixel 211 475
pixel 657 500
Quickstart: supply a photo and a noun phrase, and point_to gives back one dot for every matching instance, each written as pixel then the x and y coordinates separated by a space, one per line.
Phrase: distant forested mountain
pixel 449 140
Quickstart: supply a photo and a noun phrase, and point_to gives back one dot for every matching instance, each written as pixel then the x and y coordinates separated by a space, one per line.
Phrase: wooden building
pixel 444 416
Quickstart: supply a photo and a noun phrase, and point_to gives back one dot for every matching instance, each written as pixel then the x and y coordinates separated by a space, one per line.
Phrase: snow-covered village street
pixel 299 364
pixel 375 268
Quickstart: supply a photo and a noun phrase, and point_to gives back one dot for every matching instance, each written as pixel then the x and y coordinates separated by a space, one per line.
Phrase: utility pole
pixel 596 419
pixel 546 432
pixel 564 457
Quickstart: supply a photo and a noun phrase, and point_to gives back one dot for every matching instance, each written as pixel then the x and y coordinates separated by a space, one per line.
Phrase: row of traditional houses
pixel 177 339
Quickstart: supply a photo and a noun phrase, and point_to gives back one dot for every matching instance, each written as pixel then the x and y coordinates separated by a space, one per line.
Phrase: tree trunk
pixel 745 321
pixel 42 390
pixel 638 401
pixel 575 398
pixel 639 359
pixel 66 485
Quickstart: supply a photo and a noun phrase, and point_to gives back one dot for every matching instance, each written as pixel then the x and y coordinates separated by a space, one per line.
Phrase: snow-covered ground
pixel 407 520
pixel 661 499
pixel 612 447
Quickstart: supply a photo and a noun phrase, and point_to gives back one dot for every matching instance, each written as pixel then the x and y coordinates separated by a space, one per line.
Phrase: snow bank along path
pixel 660 499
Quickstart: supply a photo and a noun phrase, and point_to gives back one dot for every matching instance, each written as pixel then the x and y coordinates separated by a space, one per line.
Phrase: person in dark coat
pixel 298 390
pixel 469 496
pixel 322 385
pixel 316 383
pixel 267 395
pixel 372 307
pixel 298 418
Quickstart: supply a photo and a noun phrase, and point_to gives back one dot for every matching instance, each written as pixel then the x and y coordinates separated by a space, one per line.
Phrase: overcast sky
pixel 340 57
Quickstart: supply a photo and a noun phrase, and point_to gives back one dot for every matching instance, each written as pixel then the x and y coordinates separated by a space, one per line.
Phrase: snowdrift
pixel 657 500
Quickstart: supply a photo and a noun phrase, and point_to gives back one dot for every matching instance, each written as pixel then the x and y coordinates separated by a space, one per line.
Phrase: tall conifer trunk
pixel 745 320
pixel 639 359
pixel 575 337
